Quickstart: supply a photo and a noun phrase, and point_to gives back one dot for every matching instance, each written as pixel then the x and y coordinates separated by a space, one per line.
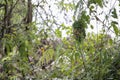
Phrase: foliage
pixel 32 45
pixel 79 30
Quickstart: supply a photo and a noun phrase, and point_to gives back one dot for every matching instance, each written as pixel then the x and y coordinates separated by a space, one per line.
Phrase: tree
pixel 32 45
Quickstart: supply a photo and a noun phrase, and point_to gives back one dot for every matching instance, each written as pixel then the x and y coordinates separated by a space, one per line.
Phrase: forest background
pixel 59 39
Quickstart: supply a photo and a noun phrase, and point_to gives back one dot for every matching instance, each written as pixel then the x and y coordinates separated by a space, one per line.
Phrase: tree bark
pixel 29 12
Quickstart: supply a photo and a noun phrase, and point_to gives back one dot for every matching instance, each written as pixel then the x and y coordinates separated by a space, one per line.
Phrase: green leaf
pixel 85 17
pixel 114 14
pixel 91 26
pixel 88 19
pixel 115 28
pixel 114 22
pixel 110 41
pixel 50 53
pixel 99 2
pixel 58 33
pixel 63 26
pixel 6 58
pixel 91 8
pixel 22 49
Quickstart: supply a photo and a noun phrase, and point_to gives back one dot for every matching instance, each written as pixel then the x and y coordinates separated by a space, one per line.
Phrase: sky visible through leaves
pixel 66 16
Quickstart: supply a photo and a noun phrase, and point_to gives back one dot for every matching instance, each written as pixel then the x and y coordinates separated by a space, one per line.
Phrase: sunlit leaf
pixel 58 33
